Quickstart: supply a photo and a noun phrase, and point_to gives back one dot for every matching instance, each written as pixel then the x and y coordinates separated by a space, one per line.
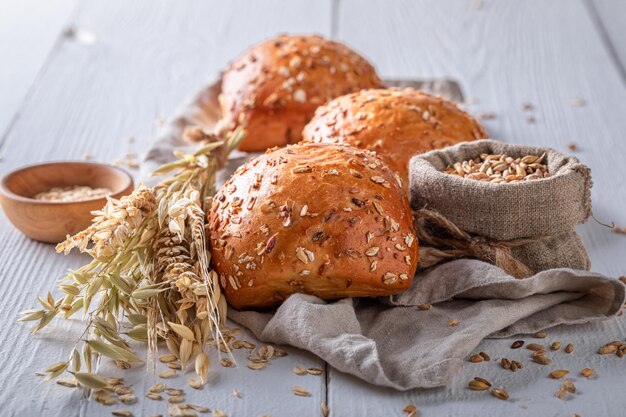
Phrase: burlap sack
pixel 546 209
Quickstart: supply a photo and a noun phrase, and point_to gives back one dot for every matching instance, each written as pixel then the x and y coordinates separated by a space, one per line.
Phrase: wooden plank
pixel 148 56
pixel 610 18
pixel 29 30
pixel 27 269
pixel 531 392
pixel 506 53
pixel 265 392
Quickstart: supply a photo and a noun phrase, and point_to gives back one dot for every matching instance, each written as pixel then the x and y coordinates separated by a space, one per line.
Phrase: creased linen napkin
pixel 390 342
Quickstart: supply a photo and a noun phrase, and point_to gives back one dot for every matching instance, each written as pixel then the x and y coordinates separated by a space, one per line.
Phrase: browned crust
pixel 266 245
pixel 274 87
pixel 396 123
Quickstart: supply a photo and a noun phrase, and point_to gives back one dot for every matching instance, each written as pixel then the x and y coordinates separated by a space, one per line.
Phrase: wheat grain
pixel 501 169
pixel 558 374
pixel 299 370
pixel 301 391
pixel 500 393
pixel 478 385
pixel 122 413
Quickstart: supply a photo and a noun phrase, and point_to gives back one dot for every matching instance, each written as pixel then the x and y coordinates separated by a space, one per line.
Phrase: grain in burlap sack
pixel 547 209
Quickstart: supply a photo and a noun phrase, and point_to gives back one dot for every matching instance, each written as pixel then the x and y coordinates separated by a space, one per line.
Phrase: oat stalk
pixel 149 278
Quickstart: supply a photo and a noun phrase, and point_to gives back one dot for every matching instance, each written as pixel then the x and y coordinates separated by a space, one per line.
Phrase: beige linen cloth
pixel 388 341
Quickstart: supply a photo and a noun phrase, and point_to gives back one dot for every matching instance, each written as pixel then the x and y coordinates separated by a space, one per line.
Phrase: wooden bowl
pixel 52 221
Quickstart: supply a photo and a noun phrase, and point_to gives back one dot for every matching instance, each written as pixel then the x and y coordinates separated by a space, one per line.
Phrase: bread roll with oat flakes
pixel 322 219
pixel 274 87
pixel 396 123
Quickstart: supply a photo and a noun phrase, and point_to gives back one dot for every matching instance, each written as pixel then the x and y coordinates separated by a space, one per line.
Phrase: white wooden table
pixel 62 97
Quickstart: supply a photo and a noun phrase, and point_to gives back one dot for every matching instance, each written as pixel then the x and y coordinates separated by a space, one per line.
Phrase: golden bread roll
pixel 396 123
pixel 274 87
pixel 322 219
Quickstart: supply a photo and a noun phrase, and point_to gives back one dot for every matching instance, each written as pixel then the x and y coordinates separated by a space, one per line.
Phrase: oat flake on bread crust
pixel 322 219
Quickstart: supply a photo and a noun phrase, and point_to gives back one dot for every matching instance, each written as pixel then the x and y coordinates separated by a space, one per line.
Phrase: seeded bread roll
pixel 322 219
pixel 273 88
pixel 396 123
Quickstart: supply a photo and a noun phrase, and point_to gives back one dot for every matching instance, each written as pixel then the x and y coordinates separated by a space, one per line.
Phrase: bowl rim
pixel 4 189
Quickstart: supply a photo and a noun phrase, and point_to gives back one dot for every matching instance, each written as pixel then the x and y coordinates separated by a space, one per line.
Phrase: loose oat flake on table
pixel 150 266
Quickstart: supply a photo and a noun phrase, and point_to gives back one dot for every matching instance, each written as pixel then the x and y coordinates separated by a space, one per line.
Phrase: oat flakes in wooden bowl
pixel 48 201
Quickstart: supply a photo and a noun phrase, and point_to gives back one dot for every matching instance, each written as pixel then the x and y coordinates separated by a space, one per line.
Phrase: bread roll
pixel 322 219
pixel 396 123
pixel 273 88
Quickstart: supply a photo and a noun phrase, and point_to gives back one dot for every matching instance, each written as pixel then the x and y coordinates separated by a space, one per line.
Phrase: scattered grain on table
pixel 517 344
pixel 500 393
pixel 558 374
pixel 410 410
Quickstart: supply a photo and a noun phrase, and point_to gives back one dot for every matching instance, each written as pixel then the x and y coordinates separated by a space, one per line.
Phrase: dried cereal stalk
pixel 150 266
